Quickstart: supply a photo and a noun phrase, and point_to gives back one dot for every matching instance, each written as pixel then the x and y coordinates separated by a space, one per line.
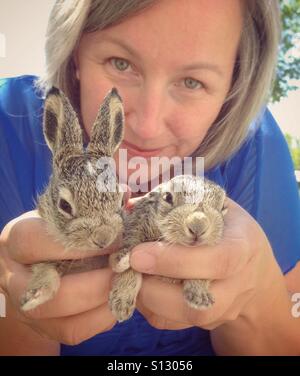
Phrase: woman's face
pixel 172 65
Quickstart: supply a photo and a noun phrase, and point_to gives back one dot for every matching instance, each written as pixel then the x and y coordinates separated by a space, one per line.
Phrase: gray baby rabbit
pixel 82 208
pixel 187 210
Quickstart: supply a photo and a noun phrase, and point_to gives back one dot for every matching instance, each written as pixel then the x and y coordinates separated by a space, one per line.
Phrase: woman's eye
pixel 191 83
pixel 120 64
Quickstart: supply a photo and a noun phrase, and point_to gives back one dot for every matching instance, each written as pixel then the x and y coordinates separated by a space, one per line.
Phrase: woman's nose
pixel 146 114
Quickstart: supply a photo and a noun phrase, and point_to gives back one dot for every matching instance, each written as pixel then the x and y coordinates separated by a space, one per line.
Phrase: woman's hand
pixel 79 310
pixel 242 269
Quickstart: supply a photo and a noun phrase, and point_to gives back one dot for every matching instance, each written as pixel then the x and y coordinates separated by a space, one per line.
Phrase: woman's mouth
pixel 135 151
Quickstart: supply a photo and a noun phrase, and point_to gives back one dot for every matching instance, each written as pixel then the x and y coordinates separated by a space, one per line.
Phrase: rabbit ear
pixel 108 128
pixel 61 127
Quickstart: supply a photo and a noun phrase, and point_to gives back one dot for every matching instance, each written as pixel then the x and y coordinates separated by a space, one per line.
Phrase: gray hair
pixel 252 80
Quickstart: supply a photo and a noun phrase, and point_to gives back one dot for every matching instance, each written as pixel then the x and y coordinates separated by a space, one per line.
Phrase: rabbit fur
pixel 187 210
pixel 78 214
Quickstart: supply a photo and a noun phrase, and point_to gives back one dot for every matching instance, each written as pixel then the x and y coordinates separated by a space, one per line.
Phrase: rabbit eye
pixel 65 206
pixel 168 198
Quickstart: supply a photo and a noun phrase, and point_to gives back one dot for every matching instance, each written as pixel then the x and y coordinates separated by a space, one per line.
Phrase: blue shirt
pixel 259 176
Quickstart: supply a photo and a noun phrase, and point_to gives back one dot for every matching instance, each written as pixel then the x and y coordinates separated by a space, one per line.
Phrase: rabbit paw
pixel 197 295
pixel 41 288
pixel 122 297
pixel 122 307
pixel 35 297
pixel 119 262
pixel 201 301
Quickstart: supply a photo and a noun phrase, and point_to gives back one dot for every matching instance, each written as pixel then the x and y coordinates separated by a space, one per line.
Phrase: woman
pixel 193 76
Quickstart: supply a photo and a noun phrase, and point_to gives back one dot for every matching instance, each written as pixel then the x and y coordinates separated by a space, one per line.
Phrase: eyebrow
pixel 195 66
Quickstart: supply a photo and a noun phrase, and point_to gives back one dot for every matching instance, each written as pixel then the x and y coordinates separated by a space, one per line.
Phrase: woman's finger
pixel 28 242
pixel 221 261
pixel 176 261
pixel 77 293
pixel 166 300
pixel 75 329
pixel 160 322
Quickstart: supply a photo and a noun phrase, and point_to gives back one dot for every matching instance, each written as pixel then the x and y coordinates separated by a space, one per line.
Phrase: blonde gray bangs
pixel 67 21
pixel 252 80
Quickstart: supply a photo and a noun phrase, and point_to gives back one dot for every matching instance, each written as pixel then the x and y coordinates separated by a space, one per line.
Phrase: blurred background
pixel 22 28
pixel 23 25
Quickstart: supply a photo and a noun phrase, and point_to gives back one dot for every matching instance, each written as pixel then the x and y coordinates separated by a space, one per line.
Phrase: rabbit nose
pixel 102 243
pixel 104 237
pixel 197 225
pixel 99 244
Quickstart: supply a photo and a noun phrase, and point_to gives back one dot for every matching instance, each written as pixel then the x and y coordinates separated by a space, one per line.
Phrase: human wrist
pixel 19 338
pixel 265 325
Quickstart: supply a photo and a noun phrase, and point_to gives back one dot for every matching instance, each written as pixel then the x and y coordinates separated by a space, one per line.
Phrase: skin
pixel 160 113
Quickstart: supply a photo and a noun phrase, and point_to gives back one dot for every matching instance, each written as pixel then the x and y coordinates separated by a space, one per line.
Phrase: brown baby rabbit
pixel 82 204
pixel 187 210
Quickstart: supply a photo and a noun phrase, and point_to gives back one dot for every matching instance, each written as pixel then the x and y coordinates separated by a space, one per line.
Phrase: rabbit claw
pixel 119 262
pixel 121 307
pixel 35 297
pixel 44 284
pixel 200 300
pixel 31 299
pixel 197 295
pixel 122 297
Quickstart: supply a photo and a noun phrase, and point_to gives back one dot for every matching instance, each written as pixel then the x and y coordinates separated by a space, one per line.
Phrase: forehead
pixel 186 189
pixel 189 28
pixel 88 181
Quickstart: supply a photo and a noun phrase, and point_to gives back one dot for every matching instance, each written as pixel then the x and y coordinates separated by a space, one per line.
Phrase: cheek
pixel 92 95
pixel 193 123
pixel 93 89
pixel 187 121
pixel 90 98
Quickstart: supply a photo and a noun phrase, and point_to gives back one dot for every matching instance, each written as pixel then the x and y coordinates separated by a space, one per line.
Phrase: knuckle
pixel 2 241
pixel 232 259
pixel 16 235
pixel 233 315
pixel 204 320
pixel 210 326
pixel 225 265
pixel 24 230
pixel 207 318
pixel 18 229
pixel 70 335
pixel 194 316
pixel 4 237
pixel 157 322
pixel 36 328
pixel 34 314
pixel 110 326
pixel 244 247
pixel 42 333
pixel 175 266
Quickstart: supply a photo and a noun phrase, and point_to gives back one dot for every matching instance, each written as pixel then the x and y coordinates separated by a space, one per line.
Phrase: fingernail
pixel 142 261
